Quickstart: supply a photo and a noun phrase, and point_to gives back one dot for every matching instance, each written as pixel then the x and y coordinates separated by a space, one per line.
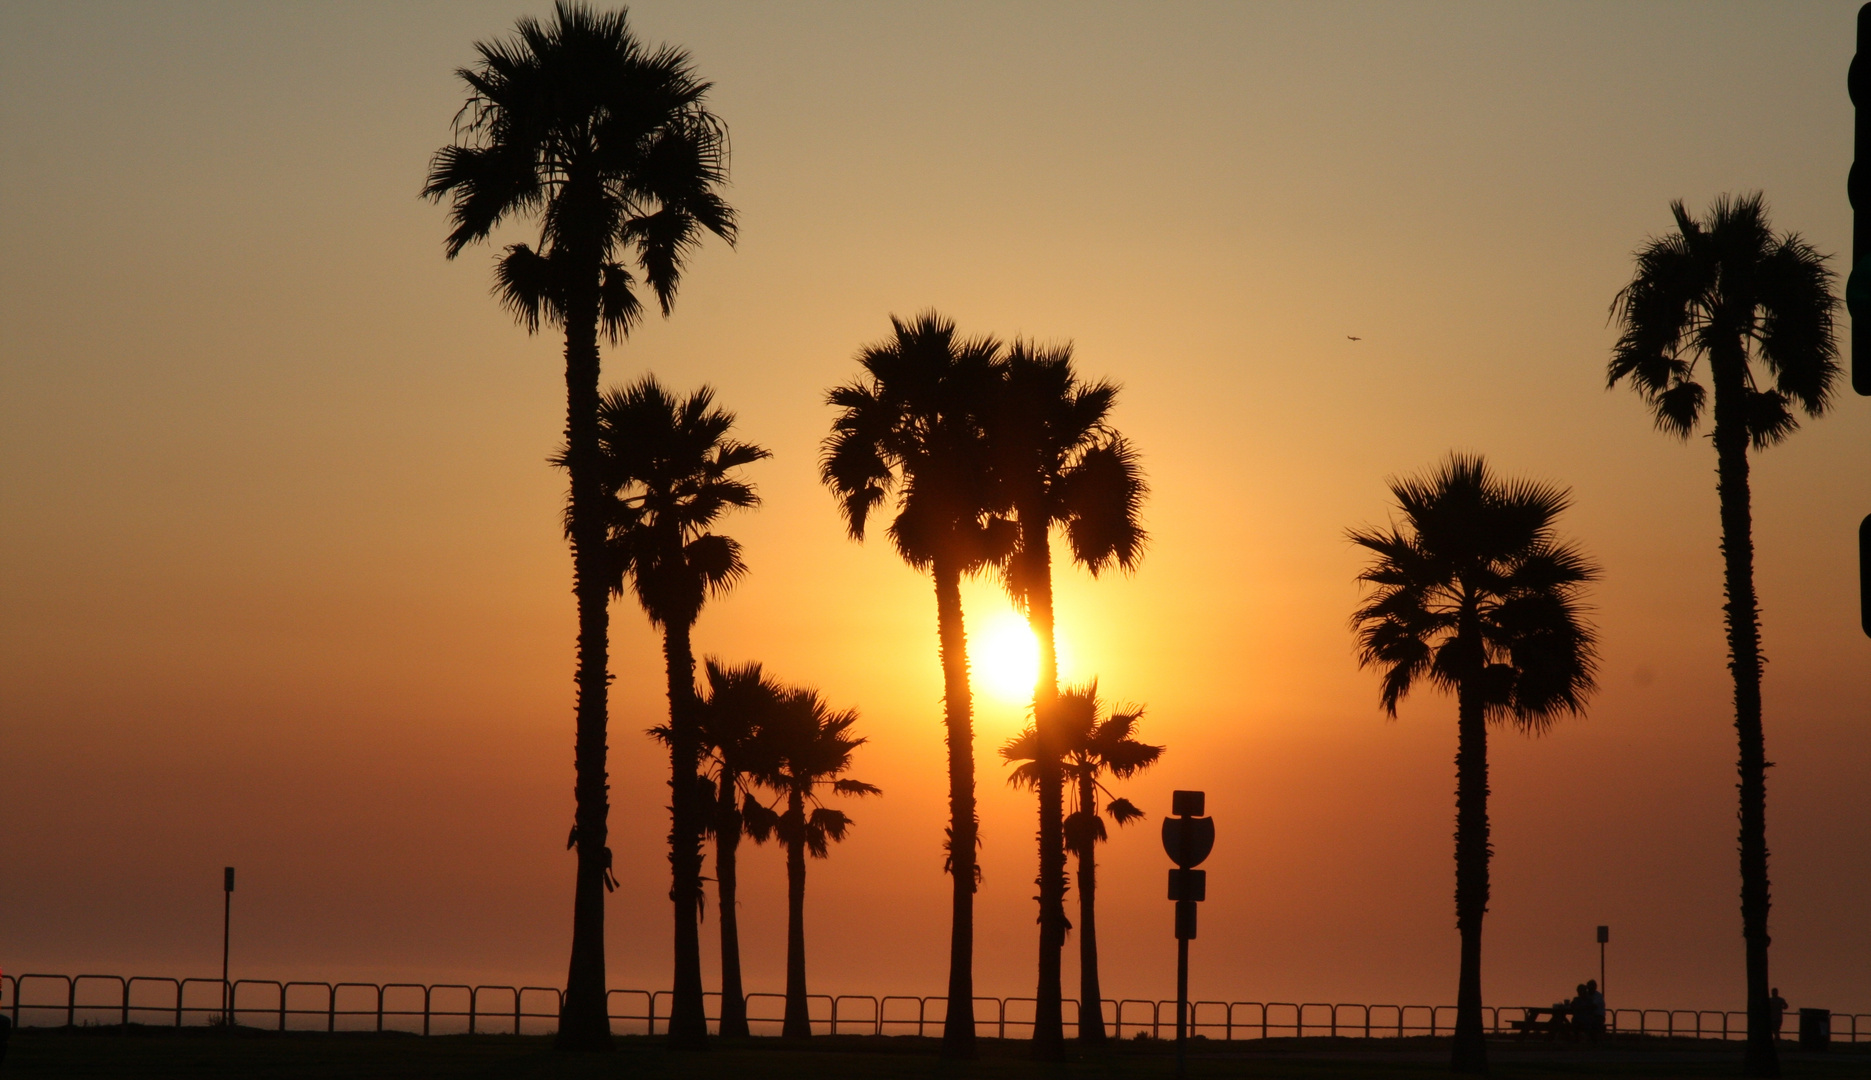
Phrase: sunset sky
pixel 282 583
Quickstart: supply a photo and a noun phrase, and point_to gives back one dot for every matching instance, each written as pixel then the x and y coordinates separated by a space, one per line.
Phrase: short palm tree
pixel 611 146
pixel 671 472
pixel 1093 748
pixel 1759 308
pixel 912 426
pixel 1474 594
pixel 740 705
pixel 1060 465
pixel 810 747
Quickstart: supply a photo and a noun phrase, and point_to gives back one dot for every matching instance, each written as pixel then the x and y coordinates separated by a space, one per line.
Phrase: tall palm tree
pixel 810 746
pixel 1474 593
pixel 1759 308
pixel 670 472
pixel 1061 464
pixel 610 145
pixel 1093 747
pixel 912 426
pixel 740 706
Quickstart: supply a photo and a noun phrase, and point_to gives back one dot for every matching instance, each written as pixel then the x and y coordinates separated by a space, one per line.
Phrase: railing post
pixel 379 1006
pixel 425 1010
pixel 331 1008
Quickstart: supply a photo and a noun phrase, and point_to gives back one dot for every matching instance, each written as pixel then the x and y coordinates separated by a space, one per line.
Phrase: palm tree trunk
pixel 1090 994
pixel 798 1020
pixel 1471 878
pixel 1048 1009
pixel 1744 662
pixel 688 1023
pixel 584 1023
pixel 727 843
pixel 958 708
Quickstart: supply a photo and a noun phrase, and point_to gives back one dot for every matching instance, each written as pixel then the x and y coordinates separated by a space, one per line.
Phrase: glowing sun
pixel 1004 657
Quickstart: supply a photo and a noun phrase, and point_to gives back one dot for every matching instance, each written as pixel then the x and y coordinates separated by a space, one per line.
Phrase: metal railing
pixel 47 1000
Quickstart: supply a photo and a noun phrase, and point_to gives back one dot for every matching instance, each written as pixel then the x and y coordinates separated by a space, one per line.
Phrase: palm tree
pixel 1061 465
pixel 669 468
pixel 810 747
pixel 912 426
pixel 740 706
pixel 1475 594
pixel 1092 748
pixel 1727 289
pixel 610 145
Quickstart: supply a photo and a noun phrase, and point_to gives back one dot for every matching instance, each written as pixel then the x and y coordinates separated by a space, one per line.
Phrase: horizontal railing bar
pixel 144 995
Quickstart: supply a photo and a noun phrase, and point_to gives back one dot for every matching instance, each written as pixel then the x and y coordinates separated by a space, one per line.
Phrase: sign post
pixel 1187 838
pixel 227 917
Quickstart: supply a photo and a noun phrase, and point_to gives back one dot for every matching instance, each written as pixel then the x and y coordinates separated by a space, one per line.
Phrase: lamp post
pixel 1187 838
pixel 227 919
pixel 1604 935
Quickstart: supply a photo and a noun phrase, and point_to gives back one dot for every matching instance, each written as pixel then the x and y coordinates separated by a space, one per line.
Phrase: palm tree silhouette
pixel 669 468
pixel 1092 748
pixel 1727 289
pixel 730 721
pixel 810 746
pixel 1475 594
pixel 610 145
pixel 1061 464
pixel 912 426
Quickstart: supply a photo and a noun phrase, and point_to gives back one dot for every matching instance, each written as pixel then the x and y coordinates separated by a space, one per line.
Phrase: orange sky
pixel 283 585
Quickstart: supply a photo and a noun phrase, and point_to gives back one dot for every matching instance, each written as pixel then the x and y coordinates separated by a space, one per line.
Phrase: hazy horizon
pixel 284 585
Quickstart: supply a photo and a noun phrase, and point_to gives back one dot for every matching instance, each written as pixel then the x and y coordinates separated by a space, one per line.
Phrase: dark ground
pixel 159 1052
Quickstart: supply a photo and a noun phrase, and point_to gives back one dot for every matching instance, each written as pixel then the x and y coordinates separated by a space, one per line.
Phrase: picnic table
pixel 1551 1019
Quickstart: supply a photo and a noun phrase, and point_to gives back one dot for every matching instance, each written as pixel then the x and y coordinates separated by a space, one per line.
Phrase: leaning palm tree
pixel 912 426
pixel 671 472
pixel 740 705
pixel 1726 289
pixel 810 748
pixel 1061 465
pixel 610 145
pixel 1475 594
pixel 1092 749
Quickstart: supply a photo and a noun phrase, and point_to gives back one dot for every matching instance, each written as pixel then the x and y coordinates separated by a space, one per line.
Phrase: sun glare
pixel 1005 658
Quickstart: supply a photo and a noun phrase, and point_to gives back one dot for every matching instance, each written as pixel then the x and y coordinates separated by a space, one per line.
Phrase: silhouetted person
pixel 1776 1012
pixel 1595 1009
pixel 1578 1011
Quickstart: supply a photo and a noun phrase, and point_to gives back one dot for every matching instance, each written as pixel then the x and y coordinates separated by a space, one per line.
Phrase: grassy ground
pixel 107 1052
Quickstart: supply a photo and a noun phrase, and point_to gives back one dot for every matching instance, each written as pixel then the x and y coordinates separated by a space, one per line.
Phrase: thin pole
pixel 1603 987
pixel 227 919
pixel 1182 1006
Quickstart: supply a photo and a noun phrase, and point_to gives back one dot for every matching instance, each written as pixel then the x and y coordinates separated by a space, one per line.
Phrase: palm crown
pixel 1724 288
pixel 1474 592
pixel 810 746
pixel 913 426
pixel 1062 464
pixel 608 141
pixel 668 469
pixel 1091 747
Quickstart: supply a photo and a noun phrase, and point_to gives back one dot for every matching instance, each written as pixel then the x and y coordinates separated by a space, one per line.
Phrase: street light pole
pixel 227 921
pixel 1604 935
